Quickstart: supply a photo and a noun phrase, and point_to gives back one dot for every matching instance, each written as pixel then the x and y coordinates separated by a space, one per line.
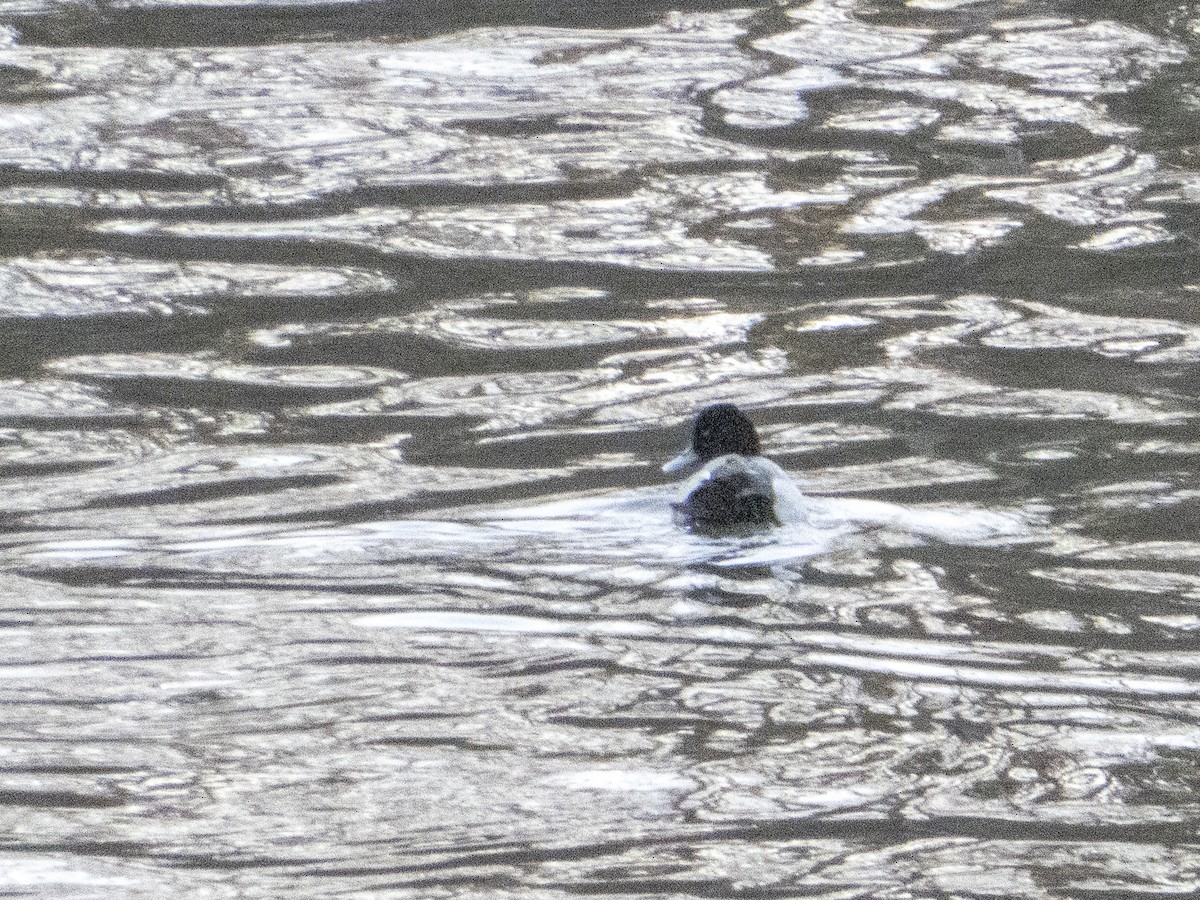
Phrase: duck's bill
pixel 685 460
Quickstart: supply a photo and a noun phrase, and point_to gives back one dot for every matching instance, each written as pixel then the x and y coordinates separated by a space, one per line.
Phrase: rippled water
pixel 341 348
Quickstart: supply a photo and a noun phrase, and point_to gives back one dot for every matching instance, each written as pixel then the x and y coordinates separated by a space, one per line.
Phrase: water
pixel 342 346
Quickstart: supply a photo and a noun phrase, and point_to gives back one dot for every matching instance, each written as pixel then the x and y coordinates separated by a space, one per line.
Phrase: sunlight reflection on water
pixel 341 349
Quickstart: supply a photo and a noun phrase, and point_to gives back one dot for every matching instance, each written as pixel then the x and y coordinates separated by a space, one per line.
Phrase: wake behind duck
pixel 733 489
pixel 738 508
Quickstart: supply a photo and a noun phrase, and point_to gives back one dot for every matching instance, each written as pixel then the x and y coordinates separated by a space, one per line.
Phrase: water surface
pixel 341 348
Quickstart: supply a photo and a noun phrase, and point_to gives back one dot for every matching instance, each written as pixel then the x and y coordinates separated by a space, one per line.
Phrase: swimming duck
pixel 735 488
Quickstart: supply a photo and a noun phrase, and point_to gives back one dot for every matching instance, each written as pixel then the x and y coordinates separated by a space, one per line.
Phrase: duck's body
pixel 734 488
pixel 730 493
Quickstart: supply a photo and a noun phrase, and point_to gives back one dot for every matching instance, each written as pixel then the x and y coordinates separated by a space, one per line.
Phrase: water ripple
pixel 343 347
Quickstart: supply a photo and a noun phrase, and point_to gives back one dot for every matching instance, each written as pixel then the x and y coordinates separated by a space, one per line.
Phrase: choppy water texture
pixel 341 347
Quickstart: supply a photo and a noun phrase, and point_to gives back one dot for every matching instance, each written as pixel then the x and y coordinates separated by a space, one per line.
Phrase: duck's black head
pixel 720 429
pixel 723 428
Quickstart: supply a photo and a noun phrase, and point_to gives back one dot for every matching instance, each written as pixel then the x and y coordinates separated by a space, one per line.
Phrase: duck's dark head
pixel 720 429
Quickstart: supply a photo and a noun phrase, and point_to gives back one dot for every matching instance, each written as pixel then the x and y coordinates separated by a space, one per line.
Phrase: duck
pixel 732 488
